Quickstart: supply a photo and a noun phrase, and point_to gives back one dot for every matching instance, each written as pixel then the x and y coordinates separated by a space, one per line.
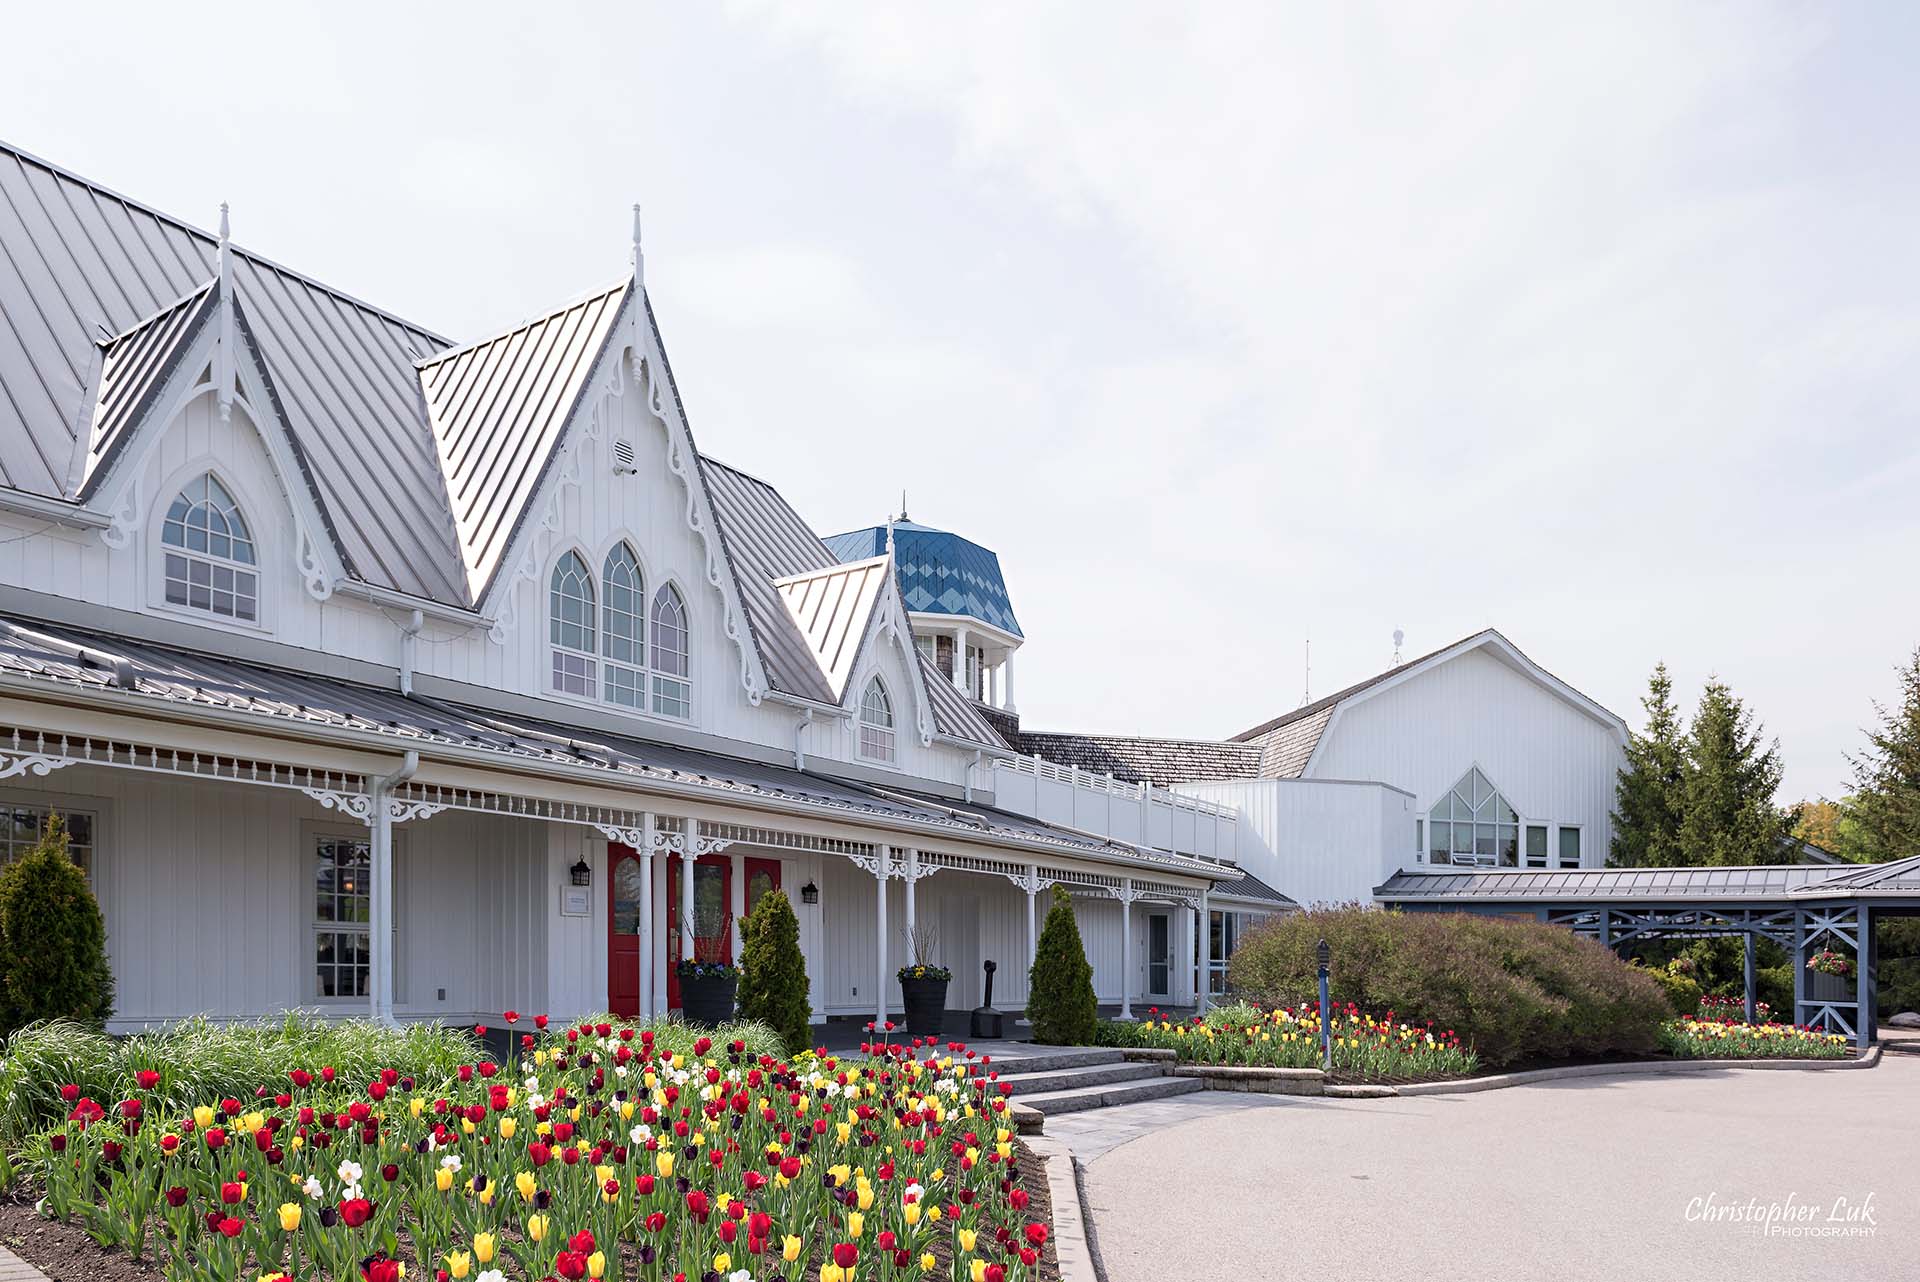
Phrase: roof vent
pixel 623 459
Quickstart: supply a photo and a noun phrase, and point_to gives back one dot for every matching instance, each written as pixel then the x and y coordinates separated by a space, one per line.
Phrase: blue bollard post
pixel 1325 955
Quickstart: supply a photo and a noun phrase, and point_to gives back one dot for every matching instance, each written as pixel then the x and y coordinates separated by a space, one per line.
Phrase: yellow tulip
pixel 663 1162
pixel 722 1262
pixel 855 1223
pixel 979 1271
pixel 933 1213
pixel 289 1216
pixel 597 1264
pixel 525 1183
pixel 483 1247
pixel 912 1213
pixel 841 1130
pixel 417 1105
pixel 507 1128
pixel 459 1263
pixel 864 1196
pixel 927 1262
pixel 790 1248
pixel 203 1116
pixel 443 1179
pixel 967 1239
pixel 831 1272
pixel 536 1227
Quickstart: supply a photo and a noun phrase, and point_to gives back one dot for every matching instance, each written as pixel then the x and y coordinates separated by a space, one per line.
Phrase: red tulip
pixel 356 1211
pixel 216 1138
pixel 230 1227
pixel 231 1194
pixel 845 1254
pixel 176 1196
pixel 147 1078
pixel 570 1265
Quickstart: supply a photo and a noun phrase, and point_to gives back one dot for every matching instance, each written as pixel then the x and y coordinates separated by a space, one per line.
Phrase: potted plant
pixel 708 979
pixel 923 984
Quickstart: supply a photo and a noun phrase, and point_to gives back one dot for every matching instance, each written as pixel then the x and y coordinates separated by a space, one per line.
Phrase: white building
pixel 384 672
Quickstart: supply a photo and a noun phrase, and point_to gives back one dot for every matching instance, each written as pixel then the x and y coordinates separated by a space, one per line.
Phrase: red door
pixel 623 929
pixel 712 908
pixel 762 875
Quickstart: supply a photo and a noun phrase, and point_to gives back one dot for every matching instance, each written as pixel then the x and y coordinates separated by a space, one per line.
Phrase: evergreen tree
pixel 53 943
pixel 1886 777
pixel 1728 815
pixel 1060 1001
pixel 1650 788
pixel 773 972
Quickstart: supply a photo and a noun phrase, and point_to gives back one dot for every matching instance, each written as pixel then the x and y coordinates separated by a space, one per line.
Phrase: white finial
pixel 1398 638
pixel 223 367
pixel 639 257
pixel 225 232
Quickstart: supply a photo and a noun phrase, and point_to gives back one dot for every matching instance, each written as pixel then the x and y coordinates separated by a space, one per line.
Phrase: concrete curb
pixel 1071 1247
pixel 1472 1085
pixel 1258 1081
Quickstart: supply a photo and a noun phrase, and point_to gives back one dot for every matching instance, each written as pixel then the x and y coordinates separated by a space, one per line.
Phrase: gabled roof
pixel 940 573
pixel 1131 759
pixel 833 609
pixel 1249 887
pixel 1288 741
pixel 498 409
pixel 79 263
pixel 134 366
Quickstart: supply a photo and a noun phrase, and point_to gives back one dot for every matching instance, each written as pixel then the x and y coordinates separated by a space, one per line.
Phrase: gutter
pixel 402 601
pixel 58 511
pixel 593 776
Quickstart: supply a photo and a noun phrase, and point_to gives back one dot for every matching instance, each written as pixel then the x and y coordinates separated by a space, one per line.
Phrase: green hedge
pixel 1060 1001
pixel 1512 990
pixel 773 972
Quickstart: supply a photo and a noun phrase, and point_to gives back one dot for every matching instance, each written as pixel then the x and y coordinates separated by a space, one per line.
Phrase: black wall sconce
pixel 582 873
pixel 809 894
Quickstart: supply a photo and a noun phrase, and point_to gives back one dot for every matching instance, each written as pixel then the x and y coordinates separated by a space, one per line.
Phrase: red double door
pixel 713 899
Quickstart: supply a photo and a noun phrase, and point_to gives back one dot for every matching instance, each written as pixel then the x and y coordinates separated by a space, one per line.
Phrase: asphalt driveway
pixel 1610 1178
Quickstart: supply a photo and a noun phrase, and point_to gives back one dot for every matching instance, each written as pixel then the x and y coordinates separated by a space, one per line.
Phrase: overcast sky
pixel 1596 324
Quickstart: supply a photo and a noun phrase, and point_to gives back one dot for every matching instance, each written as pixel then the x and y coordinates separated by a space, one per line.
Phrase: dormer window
pixel 572 628
pixel 210 555
pixel 876 723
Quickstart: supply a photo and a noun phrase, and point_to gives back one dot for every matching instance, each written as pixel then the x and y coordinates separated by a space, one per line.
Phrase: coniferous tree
pixel 1060 1001
pixel 53 942
pixel 1650 788
pixel 1886 800
pixel 773 971
pixel 1728 814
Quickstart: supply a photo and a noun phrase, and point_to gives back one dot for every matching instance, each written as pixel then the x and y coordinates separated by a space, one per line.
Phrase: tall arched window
pixel 1473 824
pixel 876 723
pixel 574 662
pixel 210 557
pixel 623 628
pixel 672 691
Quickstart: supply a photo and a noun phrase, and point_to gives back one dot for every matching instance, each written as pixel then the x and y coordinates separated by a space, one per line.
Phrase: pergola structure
pixel 1806 909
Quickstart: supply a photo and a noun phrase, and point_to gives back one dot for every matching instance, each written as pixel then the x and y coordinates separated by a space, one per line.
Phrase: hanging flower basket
pixel 1829 962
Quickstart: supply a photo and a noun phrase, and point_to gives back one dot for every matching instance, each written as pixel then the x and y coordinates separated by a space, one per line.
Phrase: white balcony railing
pixel 1099 803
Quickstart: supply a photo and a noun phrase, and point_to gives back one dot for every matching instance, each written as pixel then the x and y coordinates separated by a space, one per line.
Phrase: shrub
pixel 198 1060
pixel 1060 1001
pixel 1511 990
pixel 55 943
pixel 1774 986
pixel 773 972
pixel 1682 991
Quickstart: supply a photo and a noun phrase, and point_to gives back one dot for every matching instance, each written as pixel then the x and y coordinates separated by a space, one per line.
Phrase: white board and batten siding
pixel 1320 842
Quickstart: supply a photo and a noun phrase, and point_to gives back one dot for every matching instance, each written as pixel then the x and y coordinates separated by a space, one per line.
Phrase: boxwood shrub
pixel 1513 990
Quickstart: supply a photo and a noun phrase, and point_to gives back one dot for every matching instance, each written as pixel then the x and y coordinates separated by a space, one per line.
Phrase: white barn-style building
pixel 381 672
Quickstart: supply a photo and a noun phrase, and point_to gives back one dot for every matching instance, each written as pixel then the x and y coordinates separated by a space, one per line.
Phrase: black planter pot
pixel 708 999
pixel 925 1001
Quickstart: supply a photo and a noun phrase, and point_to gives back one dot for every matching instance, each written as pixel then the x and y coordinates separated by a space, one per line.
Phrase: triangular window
pixel 1473 824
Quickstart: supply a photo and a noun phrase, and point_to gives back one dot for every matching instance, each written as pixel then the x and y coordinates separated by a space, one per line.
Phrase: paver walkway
pixel 15 1269
pixel 1603 1178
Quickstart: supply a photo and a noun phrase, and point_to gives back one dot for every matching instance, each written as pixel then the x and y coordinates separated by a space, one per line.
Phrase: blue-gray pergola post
pixel 1799 966
pixel 1748 973
pixel 1863 981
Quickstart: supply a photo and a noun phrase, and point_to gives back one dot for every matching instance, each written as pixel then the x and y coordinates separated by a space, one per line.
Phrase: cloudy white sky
pixel 1597 324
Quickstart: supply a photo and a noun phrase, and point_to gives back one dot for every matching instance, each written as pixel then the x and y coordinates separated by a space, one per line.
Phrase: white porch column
pixel 913 875
pixel 882 862
pixel 1204 919
pixel 380 910
pixel 686 891
pixel 647 942
pixel 1033 936
pixel 960 660
pixel 1126 947
pixel 1006 682
pixel 739 906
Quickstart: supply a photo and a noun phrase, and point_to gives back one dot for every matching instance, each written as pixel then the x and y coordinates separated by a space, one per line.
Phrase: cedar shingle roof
pixel 1160 762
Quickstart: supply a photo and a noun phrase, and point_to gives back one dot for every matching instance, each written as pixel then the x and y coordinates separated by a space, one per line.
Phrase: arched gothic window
pixel 876 723
pixel 672 690
pixel 210 557
pixel 624 627
pixel 1473 824
pixel 572 627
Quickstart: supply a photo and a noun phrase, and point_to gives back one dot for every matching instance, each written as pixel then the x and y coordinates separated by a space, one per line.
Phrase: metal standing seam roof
pixel 1620 885
pixel 135 365
pixel 833 609
pixel 79 262
pixel 498 409
pixel 1248 886
pixel 141 671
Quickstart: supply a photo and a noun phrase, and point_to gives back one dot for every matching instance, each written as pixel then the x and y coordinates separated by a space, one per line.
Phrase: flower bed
pixel 602 1154
pixel 1722 1009
pixel 1730 1039
pixel 1364 1047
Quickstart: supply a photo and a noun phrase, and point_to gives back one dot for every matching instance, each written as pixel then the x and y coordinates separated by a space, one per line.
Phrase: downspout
pixel 409 632
pixel 977 755
pixel 380 894
pixel 800 724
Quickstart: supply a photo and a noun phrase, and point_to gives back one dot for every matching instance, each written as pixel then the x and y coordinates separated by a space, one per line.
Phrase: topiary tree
pixel 773 973
pixel 1060 1002
pixel 53 943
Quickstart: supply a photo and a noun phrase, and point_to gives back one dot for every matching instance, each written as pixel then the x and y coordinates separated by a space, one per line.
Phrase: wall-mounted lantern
pixel 582 873
pixel 809 894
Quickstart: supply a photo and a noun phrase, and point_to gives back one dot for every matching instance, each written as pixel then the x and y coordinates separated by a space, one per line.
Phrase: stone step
pixel 1052 1103
pixel 1079 1077
pixel 1901 1046
pixel 1052 1058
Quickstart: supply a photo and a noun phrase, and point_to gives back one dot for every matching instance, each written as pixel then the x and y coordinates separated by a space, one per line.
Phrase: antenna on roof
pixel 1306 693
pixel 223 357
pixel 903 503
pixel 1399 638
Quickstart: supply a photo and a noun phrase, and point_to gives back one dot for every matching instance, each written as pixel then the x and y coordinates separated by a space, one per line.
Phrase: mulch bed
pixel 65 1253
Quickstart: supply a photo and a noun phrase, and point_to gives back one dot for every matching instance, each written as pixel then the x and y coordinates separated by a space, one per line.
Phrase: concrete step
pixel 1079 1077
pixel 1050 1059
pixel 1052 1103
pixel 1901 1046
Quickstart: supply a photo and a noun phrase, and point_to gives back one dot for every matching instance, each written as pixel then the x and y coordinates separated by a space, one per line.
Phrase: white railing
pixel 1138 813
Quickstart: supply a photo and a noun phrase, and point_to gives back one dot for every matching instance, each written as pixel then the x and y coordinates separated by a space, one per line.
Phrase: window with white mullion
pixel 623 628
pixel 1474 825
pixel 342 916
pixel 572 630
pixel 672 688
pixel 876 723
pixel 208 555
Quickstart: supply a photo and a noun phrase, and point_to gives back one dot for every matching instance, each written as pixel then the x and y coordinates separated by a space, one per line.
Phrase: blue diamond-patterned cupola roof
pixel 940 573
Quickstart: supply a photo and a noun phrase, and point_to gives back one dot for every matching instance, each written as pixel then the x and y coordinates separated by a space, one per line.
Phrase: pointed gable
pixel 134 366
pixel 498 409
pixel 833 609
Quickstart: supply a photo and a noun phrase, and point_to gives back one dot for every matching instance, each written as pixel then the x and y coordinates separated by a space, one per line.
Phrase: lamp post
pixel 1324 955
